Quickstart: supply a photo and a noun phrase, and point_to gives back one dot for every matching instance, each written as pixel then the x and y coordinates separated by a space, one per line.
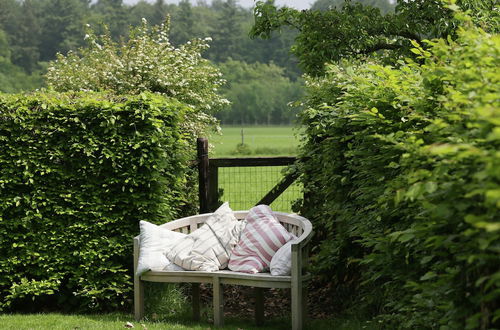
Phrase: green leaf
pixel 430 187
pixel 428 276
pixel 426 259
pixel 406 237
pixel 416 51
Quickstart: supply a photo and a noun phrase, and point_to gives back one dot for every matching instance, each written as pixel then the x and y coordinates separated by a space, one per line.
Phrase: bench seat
pixel 261 280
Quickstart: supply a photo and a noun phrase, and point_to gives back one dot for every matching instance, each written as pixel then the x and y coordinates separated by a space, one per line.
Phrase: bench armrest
pixel 305 237
pixel 300 253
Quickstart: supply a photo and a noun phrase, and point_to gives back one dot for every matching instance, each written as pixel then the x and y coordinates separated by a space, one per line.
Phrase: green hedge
pixel 403 184
pixel 78 172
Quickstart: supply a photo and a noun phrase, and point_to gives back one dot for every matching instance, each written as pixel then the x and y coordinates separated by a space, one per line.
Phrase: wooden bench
pixel 297 281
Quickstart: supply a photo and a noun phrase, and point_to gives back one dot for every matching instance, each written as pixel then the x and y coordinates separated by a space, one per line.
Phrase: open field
pixel 262 141
pixel 243 187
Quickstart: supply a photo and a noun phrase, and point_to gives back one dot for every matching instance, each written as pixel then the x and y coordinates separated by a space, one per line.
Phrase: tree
pixel 385 6
pixel 147 61
pixel 113 15
pixel 140 10
pixel 26 48
pixel 10 13
pixel 13 78
pixel 62 23
pixel 183 23
pixel 357 31
pixel 227 32
pixel 160 12
pixel 4 47
pixel 20 22
pixel 275 50
pixel 403 163
pixel 259 94
pixel 392 153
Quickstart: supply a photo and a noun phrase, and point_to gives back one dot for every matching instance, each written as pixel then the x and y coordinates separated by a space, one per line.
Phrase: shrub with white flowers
pixel 147 61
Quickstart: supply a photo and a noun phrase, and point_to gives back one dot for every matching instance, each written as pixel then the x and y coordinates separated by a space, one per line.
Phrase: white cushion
pixel 281 263
pixel 208 248
pixel 261 238
pixel 153 242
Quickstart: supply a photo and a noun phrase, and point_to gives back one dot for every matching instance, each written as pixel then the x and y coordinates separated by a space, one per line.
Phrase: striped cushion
pixel 208 248
pixel 261 238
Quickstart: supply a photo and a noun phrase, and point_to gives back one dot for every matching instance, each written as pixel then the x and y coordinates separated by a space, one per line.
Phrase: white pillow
pixel 153 243
pixel 281 263
pixel 208 248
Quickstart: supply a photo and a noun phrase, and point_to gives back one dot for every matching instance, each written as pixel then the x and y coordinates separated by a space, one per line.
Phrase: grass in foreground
pixel 118 321
pixel 167 307
pixel 109 321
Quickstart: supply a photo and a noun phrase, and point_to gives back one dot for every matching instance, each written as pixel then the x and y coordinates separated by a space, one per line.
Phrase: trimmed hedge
pixel 78 172
pixel 403 184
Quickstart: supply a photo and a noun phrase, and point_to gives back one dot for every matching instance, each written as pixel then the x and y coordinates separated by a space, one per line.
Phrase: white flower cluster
pixel 146 62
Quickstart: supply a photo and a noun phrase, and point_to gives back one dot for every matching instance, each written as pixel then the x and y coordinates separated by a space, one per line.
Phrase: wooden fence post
pixel 213 187
pixel 203 172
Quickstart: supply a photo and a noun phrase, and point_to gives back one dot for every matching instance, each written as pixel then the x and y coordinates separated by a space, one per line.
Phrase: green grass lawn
pixel 244 186
pixel 262 141
pixel 118 321
pixel 113 321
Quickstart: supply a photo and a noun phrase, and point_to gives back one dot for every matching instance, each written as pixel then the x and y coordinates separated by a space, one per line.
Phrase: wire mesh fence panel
pixel 243 187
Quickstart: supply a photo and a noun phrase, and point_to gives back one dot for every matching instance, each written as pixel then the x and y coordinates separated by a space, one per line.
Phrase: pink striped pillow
pixel 262 237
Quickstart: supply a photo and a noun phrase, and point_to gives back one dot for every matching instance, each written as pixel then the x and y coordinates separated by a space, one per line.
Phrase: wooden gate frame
pixel 208 170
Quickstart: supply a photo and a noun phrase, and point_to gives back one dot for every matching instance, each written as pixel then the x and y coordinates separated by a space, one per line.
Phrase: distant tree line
pixel 263 77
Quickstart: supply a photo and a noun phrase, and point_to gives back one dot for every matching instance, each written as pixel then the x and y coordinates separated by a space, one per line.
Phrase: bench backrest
pixel 295 224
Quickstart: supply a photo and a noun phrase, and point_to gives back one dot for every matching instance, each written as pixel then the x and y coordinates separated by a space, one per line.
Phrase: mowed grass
pixel 56 321
pixel 243 187
pixel 115 321
pixel 262 141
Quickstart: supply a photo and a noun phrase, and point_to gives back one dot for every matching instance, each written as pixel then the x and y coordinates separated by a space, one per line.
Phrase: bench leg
pixel 218 302
pixel 297 305
pixel 196 301
pixel 259 306
pixel 304 303
pixel 138 298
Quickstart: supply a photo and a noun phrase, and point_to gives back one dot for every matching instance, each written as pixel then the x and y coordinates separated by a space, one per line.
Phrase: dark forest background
pixel 262 76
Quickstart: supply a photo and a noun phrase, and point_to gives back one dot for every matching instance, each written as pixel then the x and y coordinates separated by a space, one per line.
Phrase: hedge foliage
pixel 78 172
pixel 403 183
